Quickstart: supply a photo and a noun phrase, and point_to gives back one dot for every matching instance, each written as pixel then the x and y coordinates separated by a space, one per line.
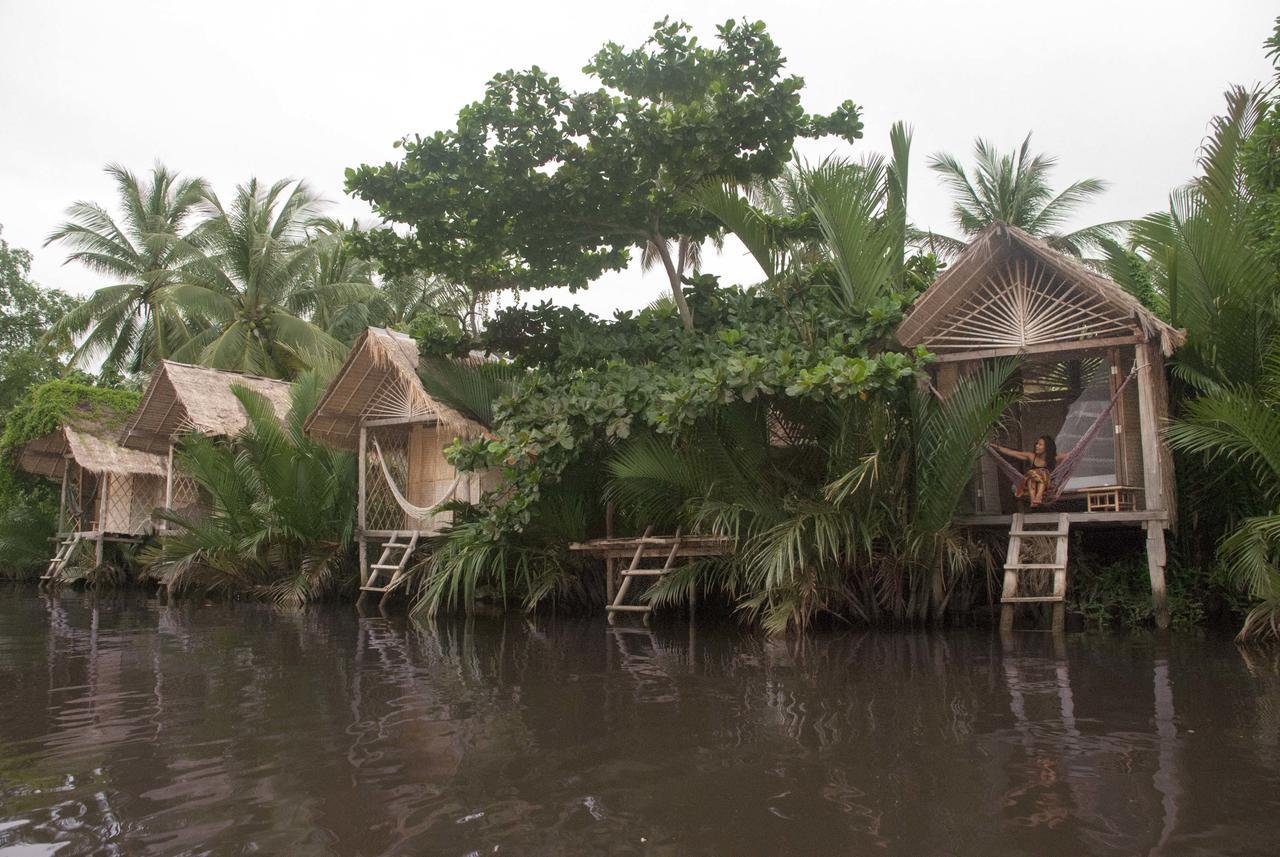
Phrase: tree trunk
pixel 673 277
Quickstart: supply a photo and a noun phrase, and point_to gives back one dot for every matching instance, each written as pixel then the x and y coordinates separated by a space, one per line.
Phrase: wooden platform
pixel 1136 518
pixel 656 546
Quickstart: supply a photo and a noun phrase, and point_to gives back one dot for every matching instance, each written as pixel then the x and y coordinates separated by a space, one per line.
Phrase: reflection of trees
pixel 141 729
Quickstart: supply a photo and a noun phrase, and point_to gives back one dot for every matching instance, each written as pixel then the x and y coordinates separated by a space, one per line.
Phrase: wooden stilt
pixel 1156 560
pixel 610 567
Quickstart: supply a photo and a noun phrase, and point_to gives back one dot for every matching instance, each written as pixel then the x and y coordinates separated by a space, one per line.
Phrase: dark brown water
pixel 132 728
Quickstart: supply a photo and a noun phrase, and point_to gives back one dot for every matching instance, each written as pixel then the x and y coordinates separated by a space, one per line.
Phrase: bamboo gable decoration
pixel 377 406
pixel 108 492
pixel 181 399
pixel 1080 337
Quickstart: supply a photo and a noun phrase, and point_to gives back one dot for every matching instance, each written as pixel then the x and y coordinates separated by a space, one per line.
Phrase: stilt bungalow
pixel 377 406
pixel 181 399
pixel 1093 379
pixel 108 492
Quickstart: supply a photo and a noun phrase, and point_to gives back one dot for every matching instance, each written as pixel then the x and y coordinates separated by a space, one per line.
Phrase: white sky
pixel 1121 90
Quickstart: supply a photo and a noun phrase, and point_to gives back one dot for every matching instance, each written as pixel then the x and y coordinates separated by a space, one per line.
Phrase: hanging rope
pixel 413 511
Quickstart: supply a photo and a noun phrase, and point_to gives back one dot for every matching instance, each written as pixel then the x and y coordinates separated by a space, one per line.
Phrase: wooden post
pixel 609 567
pixel 168 481
pixel 362 458
pixel 1152 479
pixel 62 498
pixel 1156 560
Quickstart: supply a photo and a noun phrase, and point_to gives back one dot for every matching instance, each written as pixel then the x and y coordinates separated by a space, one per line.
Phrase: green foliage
pixel 27 312
pixel 43 409
pixel 282 509
pixel 469 386
pixel 1117 594
pixel 253 268
pixel 572 181
pixel 1014 188
pixel 132 322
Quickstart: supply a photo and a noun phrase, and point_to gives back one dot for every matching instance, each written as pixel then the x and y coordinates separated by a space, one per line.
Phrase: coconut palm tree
pixel 1013 187
pixel 338 296
pixel 133 322
pixel 252 261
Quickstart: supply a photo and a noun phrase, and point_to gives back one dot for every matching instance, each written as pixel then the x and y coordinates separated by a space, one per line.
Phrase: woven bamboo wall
pixel 129 501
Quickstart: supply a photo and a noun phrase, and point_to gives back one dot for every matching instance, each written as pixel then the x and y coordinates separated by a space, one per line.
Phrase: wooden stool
pixel 1111 498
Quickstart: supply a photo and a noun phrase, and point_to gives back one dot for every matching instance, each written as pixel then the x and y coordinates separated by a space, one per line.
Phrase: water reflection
pixel 131 727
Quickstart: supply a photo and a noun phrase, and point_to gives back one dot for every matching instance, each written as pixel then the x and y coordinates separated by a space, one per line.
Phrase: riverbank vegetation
pixel 779 411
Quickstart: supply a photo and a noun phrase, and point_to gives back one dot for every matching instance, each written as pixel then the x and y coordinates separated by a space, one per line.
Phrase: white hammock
pixel 410 509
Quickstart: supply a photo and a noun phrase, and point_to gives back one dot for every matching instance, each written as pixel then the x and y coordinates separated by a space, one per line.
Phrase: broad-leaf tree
pixel 540 186
pixel 27 312
pixel 132 322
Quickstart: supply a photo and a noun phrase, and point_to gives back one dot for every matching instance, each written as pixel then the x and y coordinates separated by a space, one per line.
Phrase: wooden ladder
pixel 634 571
pixel 391 565
pixel 1014 565
pixel 65 551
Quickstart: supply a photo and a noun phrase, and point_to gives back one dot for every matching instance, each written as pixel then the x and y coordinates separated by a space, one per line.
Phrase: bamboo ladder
pixel 391 565
pixel 634 571
pixel 66 549
pixel 1015 564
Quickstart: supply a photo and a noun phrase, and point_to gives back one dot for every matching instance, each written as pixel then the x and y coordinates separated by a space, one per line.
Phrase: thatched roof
pixel 183 398
pixel 88 439
pixel 996 246
pixel 379 380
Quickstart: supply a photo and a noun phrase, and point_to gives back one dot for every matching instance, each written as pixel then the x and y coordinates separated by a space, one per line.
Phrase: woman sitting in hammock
pixel 1038 479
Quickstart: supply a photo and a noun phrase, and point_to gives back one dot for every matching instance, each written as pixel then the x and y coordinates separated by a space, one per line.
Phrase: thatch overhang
pixel 1060 300
pixel 379 381
pixel 90 442
pixel 182 398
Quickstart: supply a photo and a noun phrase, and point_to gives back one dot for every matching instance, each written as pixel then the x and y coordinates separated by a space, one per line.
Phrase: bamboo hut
pixel 377 406
pixel 108 492
pixel 1092 375
pixel 181 399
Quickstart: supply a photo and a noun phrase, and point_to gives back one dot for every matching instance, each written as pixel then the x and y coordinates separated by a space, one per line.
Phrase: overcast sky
pixel 1121 90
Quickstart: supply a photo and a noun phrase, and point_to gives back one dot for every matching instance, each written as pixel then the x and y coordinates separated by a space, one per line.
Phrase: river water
pixel 132 728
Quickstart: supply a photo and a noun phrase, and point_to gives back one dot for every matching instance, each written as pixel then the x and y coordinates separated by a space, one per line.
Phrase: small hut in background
pixel 108 492
pixel 181 399
pixel 1092 370
pixel 377 406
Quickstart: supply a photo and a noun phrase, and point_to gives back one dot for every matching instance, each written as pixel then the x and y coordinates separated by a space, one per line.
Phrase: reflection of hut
pixel 377 406
pixel 182 399
pixel 108 492
pixel 1092 376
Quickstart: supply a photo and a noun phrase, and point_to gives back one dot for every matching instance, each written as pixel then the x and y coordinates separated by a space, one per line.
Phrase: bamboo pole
pixel 361 523
pixel 609 562
pixel 62 498
pixel 1152 482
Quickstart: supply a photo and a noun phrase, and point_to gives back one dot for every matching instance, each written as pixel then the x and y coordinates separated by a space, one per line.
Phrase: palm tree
pixel 257 263
pixel 1204 264
pixel 133 322
pixel 338 296
pixel 1014 188
pixel 1236 429
pixel 282 508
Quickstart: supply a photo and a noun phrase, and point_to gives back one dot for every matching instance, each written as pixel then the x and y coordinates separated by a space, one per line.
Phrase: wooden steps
pixel 389 572
pixel 62 555
pixel 634 570
pixel 1020 534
